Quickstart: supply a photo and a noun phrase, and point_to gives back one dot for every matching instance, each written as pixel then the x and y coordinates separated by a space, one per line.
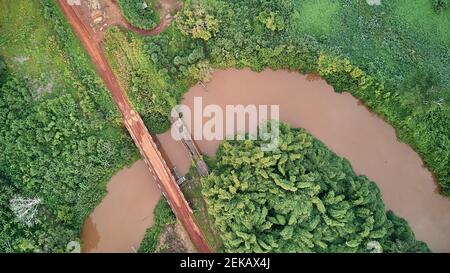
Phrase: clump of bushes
pixel 440 5
pixel 140 13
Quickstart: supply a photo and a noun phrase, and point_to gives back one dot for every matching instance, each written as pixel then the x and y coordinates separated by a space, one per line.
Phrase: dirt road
pixel 136 128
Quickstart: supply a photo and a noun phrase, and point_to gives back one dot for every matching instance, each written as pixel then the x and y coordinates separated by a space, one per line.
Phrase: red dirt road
pixel 137 129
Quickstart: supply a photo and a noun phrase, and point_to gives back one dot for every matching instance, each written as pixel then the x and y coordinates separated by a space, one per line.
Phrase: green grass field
pixel 420 16
pixel 316 16
pixel 29 46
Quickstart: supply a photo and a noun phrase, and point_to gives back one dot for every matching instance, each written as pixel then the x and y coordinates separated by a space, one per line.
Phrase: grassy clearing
pixel 154 83
pixel 316 16
pixel 420 16
pixel 29 46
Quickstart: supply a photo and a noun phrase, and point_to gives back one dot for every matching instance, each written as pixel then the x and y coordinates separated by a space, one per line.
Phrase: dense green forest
pixel 142 14
pixel 61 138
pixel 300 198
pixel 393 56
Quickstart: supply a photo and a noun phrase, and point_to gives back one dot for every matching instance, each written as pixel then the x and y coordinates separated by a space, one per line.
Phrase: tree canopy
pixel 142 14
pixel 197 22
pixel 300 198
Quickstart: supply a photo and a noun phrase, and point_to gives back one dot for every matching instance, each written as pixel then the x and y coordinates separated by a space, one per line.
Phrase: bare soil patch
pixel 174 239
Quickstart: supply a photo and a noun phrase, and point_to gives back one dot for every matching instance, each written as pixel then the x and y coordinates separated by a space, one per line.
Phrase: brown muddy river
pixel 119 223
pixel 347 128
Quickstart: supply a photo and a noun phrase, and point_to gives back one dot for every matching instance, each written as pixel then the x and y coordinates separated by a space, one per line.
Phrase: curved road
pixel 137 129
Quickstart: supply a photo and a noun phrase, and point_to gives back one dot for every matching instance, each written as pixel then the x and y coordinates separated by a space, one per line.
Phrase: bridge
pixel 189 144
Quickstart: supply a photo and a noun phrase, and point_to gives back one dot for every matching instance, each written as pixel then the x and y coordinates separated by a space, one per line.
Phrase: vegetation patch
pixel 142 14
pixel 29 46
pixel 58 149
pixel 441 5
pixel 192 190
pixel 315 16
pixel 155 81
pixel 429 17
pixel 300 198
